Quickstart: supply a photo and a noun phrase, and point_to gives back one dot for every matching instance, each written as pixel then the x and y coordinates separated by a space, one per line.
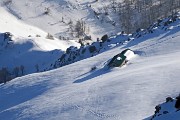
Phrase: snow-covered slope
pixel 75 92
pixel 21 30
pixel 61 12
pixel 29 45
pixel 27 22
pixel 74 54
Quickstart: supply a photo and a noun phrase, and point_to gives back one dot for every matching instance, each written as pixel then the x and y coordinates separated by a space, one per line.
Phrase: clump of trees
pixel 3 75
pixel 78 29
pixel 7 75
pixel 49 36
pixel 134 14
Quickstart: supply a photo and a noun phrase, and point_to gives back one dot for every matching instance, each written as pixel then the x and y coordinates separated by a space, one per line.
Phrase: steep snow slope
pixel 19 29
pixel 32 12
pixel 29 45
pixel 74 92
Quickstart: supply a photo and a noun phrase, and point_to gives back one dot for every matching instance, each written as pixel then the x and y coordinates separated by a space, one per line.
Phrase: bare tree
pixel 22 69
pixel 62 20
pixel 3 75
pixel 80 28
pixel 37 67
pixel 49 36
pixel 126 16
pixel 16 71
pixel 136 14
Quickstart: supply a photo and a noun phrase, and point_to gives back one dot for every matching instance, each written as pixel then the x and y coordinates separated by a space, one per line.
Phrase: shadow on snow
pixel 92 75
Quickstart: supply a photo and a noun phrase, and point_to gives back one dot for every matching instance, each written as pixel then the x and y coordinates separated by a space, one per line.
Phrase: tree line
pixel 7 75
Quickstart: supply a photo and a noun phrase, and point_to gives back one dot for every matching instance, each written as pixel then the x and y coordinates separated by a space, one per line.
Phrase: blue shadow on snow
pixel 92 75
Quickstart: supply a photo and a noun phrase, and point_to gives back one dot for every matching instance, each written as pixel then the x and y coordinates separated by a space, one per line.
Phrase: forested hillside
pixel 134 14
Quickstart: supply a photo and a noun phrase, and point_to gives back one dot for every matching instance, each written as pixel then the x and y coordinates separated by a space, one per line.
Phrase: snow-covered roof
pixel 129 54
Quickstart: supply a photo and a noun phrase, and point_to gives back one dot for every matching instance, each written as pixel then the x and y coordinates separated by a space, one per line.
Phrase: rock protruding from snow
pixel 169 110
pixel 74 54
pixel 5 39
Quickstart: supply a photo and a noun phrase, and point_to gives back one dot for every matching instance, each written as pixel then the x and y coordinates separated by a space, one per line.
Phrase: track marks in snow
pixel 91 112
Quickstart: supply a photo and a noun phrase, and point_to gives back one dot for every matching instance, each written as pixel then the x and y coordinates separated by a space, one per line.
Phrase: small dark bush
pixel 169 99
pixel 38 36
pixel 68 50
pixel 159 21
pixel 174 18
pixel 158 108
pixel 177 105
pixel 104 38
pixel 7 35
pixel 93 68
pixel 49 36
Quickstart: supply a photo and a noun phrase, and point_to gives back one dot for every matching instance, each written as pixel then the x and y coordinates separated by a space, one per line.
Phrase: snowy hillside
pixel 60 13
pixel 76 92
pixel 26 45
pixel 167 110
pixel 74 54
pixel 31 22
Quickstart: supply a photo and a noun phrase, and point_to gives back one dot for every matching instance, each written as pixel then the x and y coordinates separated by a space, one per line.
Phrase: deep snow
pixel 74 92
